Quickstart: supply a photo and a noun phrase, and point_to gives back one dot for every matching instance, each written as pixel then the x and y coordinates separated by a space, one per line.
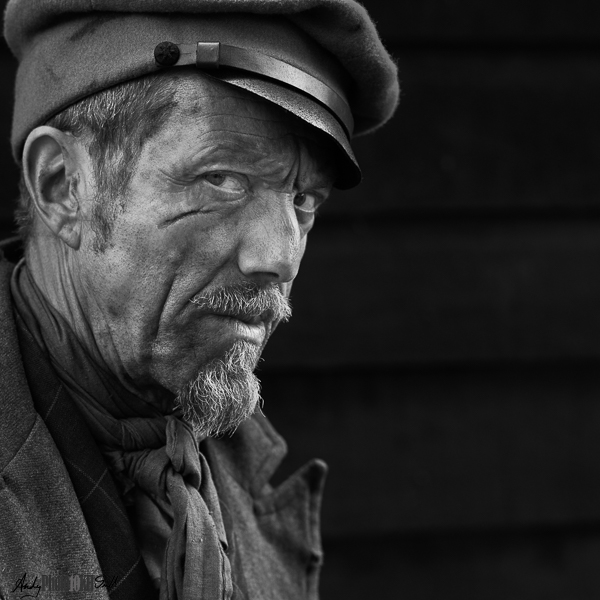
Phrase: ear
pixel 51 171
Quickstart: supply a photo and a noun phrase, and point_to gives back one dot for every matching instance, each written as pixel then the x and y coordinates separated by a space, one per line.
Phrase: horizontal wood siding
pixel 553 564
pixel 485 131
pixel 453 449
pixel 472 22
pixel 444 290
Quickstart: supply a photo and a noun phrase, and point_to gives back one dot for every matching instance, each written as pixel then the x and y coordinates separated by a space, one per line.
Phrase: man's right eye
pixel 224 181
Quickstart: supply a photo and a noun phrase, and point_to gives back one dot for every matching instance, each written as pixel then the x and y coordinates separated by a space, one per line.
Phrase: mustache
pixel 246 300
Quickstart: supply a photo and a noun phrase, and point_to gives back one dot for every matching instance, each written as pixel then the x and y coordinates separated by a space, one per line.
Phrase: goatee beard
pixel 224 393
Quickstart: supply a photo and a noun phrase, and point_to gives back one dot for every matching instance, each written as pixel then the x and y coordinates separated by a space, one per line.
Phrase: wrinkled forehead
pixel 237 121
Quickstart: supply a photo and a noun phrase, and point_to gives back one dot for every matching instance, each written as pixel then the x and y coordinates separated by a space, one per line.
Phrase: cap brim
pixel 310 111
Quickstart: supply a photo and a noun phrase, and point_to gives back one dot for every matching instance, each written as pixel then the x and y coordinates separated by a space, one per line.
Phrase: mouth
pixel 253 328
pixel 248 318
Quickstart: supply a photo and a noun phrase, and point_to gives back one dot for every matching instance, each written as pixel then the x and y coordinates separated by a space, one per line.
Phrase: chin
pixel 224 393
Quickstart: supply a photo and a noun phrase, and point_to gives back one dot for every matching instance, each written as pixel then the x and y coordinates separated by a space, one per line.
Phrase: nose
pixel 273 243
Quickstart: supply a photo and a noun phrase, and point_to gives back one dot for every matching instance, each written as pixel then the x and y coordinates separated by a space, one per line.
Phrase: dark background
pixel 443 358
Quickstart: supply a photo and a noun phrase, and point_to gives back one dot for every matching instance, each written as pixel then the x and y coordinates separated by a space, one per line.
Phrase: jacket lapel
pixel 274 533
pixel 123 568
pixel 62 514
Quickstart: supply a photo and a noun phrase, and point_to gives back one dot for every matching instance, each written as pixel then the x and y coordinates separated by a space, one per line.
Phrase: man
pixel 173 155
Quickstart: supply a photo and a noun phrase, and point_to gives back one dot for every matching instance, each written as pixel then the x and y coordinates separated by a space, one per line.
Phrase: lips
pixel 250 319
pixel 251 328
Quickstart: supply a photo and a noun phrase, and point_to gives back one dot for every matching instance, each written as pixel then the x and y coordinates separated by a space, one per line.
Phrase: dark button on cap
pixel 166 54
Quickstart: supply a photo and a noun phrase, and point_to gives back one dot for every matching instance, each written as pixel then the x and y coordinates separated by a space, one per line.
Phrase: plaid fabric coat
pixel 62 523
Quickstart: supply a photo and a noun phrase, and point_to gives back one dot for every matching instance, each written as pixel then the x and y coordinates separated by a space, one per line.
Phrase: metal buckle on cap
pixel 208 55
pixel 204 55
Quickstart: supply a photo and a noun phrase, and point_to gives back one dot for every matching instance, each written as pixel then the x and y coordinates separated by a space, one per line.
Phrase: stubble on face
pixel 225 391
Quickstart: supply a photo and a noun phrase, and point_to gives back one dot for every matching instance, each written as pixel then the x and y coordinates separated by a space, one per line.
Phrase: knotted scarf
pixel 154 457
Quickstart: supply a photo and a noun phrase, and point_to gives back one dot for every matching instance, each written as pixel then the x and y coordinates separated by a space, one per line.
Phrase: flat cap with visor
pixel 321 60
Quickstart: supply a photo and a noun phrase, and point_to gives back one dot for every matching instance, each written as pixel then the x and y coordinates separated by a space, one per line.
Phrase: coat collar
pixel 252 454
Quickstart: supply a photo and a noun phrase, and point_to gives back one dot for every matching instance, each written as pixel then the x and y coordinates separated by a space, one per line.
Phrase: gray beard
pixel 224 393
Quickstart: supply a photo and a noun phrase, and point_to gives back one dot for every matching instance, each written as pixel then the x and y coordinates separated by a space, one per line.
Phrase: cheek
pixel 134 273
pixel 160 269
pixel 150 272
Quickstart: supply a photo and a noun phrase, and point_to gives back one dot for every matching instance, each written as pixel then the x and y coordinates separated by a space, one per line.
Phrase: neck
pixel 53 269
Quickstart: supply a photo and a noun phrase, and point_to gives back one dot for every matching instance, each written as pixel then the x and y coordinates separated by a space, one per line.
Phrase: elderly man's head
pixel 174 155
pixel 179 235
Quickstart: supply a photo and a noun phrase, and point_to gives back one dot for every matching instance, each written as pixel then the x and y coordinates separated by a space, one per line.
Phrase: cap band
pixel 213 55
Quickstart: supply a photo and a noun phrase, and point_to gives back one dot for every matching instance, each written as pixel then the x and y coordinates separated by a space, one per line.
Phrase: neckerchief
pixel 154 457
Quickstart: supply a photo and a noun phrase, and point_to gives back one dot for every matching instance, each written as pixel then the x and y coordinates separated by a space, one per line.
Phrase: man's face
pixel 223 195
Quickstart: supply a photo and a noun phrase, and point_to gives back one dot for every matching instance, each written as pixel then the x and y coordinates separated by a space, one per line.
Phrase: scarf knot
pixel 183 452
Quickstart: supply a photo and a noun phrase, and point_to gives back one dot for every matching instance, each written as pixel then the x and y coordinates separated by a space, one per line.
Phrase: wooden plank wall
pixel 444 356
pixel 445 351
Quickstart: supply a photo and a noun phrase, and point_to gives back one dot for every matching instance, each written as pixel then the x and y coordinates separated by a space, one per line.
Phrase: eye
pixel 307 202
pixel 224 181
